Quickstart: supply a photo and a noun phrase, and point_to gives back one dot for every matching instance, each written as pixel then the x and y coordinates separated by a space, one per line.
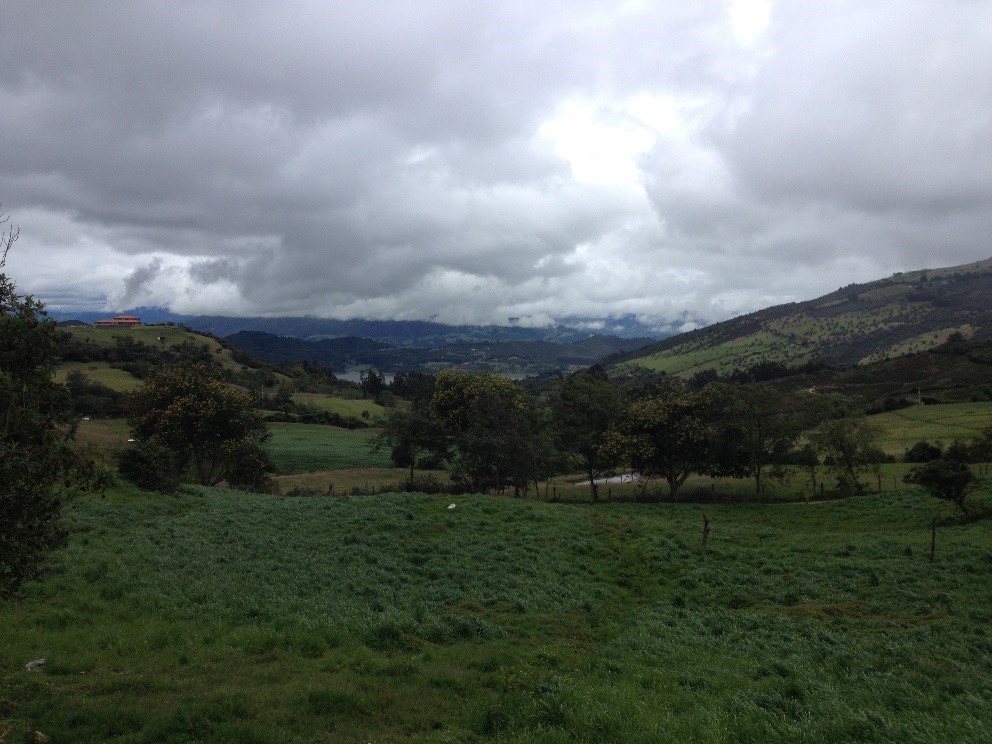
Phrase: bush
pixel 943 479
pixel 149 465
pixel 922 451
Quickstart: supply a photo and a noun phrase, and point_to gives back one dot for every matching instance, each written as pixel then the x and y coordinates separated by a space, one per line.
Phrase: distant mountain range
pixel 402 333
pixel 907 313
pixel 513 357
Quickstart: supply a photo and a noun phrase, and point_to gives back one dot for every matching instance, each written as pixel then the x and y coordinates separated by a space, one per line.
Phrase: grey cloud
pixel 385 157
pixel 138 280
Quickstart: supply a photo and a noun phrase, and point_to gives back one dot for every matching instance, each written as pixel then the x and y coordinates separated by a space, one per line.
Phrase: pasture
pixel 941 423
pixel 365 412
pixel 101 372
pixel 218 616
pixel 307 448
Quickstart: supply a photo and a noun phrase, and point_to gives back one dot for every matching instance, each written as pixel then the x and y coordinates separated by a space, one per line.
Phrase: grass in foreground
pixel 223 617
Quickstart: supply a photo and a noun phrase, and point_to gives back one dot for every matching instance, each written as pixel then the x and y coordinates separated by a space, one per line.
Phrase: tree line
pixel 494 435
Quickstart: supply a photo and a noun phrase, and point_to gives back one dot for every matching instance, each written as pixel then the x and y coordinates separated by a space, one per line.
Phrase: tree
pixel 490 430
pixel 944 479
pixel 757 426
pixel 849 444
pixel 980 447
pixel 372 383
pixel 416 387
pixel 37 461
pixel 583 409
pixel 667 435
pixel 212 428
pixel 409 433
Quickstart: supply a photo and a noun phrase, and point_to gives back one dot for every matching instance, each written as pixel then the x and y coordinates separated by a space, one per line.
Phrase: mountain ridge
pixel 908 312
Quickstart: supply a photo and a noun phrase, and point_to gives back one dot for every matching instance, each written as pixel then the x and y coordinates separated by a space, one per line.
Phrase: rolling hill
pixel 904 314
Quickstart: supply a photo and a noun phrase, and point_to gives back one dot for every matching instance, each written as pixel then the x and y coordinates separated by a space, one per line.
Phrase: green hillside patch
pixel 365 411
pixel 218 616
pixel 305 448
pixel 102 372
pixel 940 424
pixel 690 359
pixel 920 343
pixel 157 336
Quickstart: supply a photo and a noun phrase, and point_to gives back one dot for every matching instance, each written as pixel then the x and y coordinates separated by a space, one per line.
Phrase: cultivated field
pixel 218 616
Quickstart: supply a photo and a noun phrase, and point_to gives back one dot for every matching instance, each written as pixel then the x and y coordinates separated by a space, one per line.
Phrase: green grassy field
pixel 150 335
pixel 217 616
pixel 941 423
pixel 305 448
pixel 365 411
pixel 102 372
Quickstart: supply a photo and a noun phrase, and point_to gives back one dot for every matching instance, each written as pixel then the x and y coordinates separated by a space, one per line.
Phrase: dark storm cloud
pixel 474 161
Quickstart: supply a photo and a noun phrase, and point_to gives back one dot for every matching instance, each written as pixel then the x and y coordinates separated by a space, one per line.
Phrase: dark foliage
pixel 149 465
pixel 944 479
pixel 37 461
pixel 923 451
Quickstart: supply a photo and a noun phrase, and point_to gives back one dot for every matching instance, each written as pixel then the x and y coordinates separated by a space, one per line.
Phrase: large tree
pixel 211 427
pixel 409 433
pixel 491 430
pixel 756 427
pixel 37 461
pixel 849 443
pixel 667 435
pixel 583 409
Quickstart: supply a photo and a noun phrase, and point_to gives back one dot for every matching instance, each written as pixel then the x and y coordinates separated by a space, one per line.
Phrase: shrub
pixel 149 465
pixel 944 479
pixel 922 451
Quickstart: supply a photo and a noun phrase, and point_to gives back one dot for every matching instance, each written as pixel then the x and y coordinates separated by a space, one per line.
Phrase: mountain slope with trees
pixel 886 319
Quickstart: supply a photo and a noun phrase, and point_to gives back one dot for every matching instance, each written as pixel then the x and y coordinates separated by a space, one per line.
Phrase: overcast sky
pixel 476 161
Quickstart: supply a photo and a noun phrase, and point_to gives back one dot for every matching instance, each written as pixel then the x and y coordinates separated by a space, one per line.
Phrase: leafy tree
pixel 958 451
pixel 409 433
pixel 149 465
pixel 848 443
pixel 980 447
pixel 756 427
pixel 583 409
pixel 944 479
pixel 416 387
pixel 37 461
pixel 90 398
pixel 667 435
pixel 209 426
pixel 372 383
pixel 491 430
